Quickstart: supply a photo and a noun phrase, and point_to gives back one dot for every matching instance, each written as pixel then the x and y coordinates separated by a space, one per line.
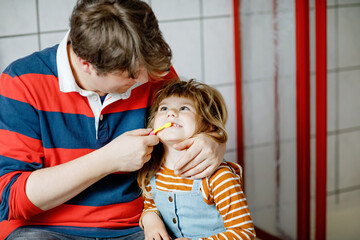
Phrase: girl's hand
pixel 154 227
pixel 202 157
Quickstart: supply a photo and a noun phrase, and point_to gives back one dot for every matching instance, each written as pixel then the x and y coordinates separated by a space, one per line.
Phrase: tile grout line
pixel 33 33
pixel 201 17
pixel 202 40
pixel 337 104
pixel 38 24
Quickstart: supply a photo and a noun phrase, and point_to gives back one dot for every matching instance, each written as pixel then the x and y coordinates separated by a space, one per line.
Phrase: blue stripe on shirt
pixel 61 130
pixel 8 165
pixel 4 206
pixel 89 232
pixel 112 189
pixel 43 62
pixel 14 113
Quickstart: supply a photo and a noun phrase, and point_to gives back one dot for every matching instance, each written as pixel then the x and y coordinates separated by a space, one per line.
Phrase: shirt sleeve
pixel 224 189
pixel 149 205
pixel 21 149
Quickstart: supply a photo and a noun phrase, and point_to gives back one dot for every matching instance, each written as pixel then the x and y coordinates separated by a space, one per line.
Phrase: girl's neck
pixel 171 156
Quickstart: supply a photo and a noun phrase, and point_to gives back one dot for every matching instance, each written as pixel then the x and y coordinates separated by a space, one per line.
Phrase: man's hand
pixel 202 157
pixel 130 151
pixel 154 227
pixel 49 187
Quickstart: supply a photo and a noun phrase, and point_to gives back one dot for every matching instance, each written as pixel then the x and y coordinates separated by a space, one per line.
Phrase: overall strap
pixel 153 182
pixel 196 185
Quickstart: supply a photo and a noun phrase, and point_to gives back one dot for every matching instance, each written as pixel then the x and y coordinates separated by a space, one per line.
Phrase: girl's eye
pixel 184 108
pixel 163 108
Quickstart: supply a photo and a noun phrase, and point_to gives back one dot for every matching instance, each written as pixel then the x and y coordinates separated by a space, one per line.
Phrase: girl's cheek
pixel 156 122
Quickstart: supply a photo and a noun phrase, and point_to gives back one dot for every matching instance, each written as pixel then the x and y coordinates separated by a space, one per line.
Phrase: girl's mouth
pixel 176 125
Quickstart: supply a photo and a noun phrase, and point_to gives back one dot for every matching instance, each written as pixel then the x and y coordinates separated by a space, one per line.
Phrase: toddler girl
pixel 210 208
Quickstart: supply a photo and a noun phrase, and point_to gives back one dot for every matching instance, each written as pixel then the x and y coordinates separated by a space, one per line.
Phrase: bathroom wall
pixel 343 185
pixel 200 33
pixel 270 115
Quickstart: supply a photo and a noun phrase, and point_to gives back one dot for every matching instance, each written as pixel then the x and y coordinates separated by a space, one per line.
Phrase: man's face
pixel 115 82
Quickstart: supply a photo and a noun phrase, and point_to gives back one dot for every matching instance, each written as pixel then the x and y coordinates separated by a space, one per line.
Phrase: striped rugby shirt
pixel 47 120
pixel 223 189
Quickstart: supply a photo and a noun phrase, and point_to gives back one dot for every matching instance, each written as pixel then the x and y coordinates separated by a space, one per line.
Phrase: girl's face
pixel 181 112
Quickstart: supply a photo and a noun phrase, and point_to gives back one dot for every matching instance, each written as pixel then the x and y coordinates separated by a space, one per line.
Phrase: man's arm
pixel 49 187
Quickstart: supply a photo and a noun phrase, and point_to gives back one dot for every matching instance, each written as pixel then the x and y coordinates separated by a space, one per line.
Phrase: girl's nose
pixel 171 113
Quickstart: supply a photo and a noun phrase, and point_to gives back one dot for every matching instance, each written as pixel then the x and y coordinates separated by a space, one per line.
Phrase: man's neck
pixel 78 74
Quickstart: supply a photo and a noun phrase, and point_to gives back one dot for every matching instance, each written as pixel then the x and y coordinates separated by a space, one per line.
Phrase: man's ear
pixel 85 66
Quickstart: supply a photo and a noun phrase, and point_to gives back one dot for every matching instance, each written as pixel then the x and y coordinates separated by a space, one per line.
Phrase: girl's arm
pixel 231 203
pixel 154 227
pixel 151 222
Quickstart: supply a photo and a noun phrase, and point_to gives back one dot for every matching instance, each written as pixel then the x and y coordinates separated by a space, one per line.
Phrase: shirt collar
pixel 67 81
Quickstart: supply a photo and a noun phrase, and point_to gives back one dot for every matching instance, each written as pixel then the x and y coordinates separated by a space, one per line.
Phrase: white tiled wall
pixel 258 53
pixel 18 17
pixel 256 58
pixel 31 25
pixel 349 99
pixel 184 38
pixel 12 48
pixel 349 47
pixel 176 9
pixel 54 15
pixel 218 51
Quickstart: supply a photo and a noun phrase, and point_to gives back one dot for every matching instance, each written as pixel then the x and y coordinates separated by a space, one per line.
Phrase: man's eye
pixel 184 108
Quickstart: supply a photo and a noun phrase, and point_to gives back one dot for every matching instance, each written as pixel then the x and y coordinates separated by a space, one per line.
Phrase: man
pixel 71 127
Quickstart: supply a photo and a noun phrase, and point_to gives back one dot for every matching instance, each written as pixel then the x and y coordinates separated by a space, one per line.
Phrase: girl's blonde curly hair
pixel 210 107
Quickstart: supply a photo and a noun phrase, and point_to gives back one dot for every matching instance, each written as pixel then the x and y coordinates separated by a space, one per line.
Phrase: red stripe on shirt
pixel 13 149
pixel 42 92
pixel 126 215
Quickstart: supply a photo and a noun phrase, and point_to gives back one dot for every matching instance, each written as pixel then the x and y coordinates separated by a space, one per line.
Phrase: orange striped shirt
pixel 223 189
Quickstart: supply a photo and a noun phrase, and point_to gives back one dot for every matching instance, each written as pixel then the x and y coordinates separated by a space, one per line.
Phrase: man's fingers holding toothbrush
pixel 130 151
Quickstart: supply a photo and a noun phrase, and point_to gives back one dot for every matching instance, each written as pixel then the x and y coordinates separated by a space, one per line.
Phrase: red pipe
pixel 238 86
pixel 303 119
pixel 321 114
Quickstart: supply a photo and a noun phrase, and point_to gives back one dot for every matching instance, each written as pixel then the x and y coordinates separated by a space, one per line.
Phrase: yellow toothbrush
pixel 166 125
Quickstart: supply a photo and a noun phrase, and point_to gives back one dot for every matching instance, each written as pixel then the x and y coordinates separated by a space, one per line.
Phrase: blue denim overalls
pixel 186 214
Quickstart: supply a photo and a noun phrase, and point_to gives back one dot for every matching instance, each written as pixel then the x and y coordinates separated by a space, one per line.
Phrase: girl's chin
pixel 170 140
